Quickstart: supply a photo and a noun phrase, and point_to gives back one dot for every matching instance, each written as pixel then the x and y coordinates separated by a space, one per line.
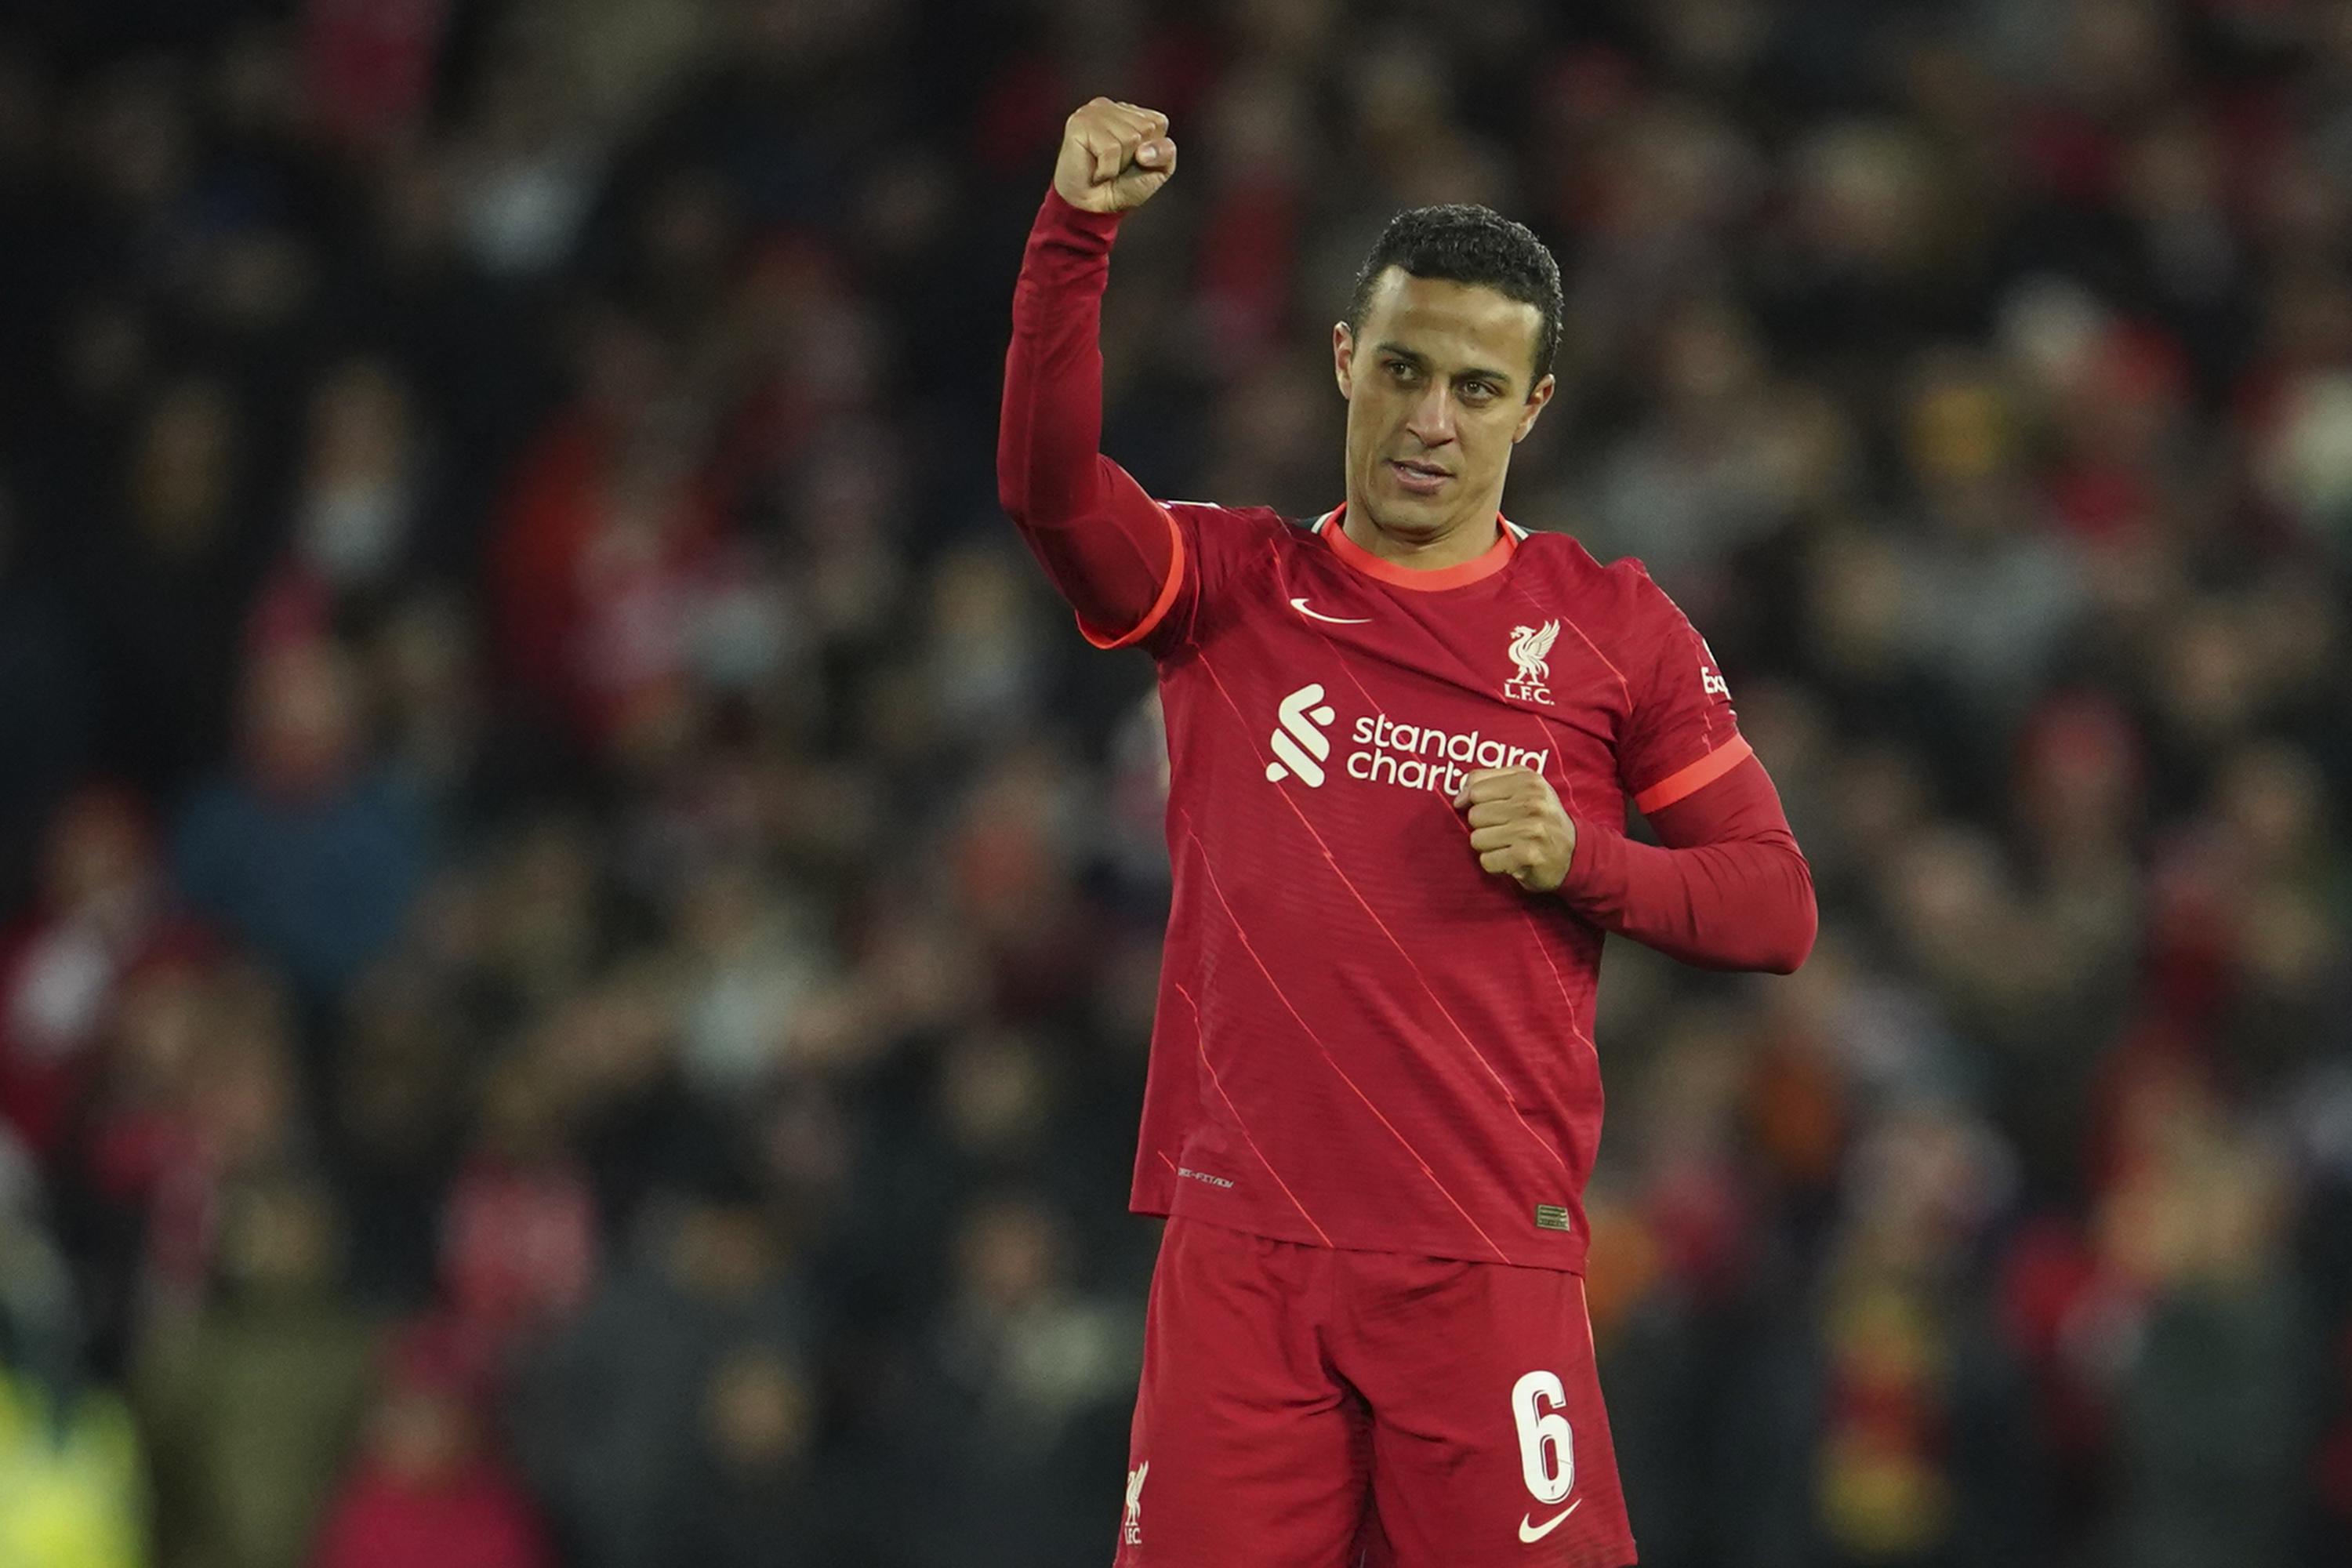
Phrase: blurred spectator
pixel 760 972
pixel 364 484
pixel 756 1501
pixel 1037 1375
pixel 103 908
pixel 1922 1454
pixel 309 852
pixel 2212 1422
pixel 606 540
pixel 251 1402
pixel 609 1412
pixel 519 1238
pixel 425 1491
pixel 71 1466
pixel 202 1086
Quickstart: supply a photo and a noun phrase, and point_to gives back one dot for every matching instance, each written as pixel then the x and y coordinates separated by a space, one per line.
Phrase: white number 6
pixel 1547 1442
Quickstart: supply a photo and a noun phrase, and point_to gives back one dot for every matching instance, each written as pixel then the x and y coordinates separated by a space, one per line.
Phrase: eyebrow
pixel 1501 379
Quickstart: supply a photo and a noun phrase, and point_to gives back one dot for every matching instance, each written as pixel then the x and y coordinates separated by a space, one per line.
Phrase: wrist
pixel 1067 214
pixel 1592 855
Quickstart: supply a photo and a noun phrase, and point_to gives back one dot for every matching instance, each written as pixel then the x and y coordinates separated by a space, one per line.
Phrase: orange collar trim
pixel 1498 556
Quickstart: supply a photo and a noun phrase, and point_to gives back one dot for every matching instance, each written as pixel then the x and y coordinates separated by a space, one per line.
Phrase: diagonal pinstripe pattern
pixel 1202 1045
pixel 1501 1088
pixel 1308 1029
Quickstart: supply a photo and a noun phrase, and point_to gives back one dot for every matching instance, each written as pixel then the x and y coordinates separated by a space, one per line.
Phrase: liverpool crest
pixel 1530 648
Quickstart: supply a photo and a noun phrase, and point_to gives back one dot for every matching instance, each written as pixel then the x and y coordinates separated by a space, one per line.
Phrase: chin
pixel 1403 515
pixel 1401 511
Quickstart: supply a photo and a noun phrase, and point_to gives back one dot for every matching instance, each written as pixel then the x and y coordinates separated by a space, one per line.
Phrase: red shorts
pixel 1306 1407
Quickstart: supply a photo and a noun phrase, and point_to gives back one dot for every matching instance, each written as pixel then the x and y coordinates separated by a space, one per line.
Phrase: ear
pixel 1343 356
pixel 1535 401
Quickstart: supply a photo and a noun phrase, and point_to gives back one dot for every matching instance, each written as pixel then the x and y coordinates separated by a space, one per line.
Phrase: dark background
pixel 579 931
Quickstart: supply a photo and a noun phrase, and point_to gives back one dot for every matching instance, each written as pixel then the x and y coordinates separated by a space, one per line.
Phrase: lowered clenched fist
pixel 1115 157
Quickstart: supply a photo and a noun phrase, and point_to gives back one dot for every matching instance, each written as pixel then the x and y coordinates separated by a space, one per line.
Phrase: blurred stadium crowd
pixel 579 928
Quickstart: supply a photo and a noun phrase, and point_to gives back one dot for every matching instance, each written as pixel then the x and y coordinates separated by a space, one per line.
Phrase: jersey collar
pixel 1498 556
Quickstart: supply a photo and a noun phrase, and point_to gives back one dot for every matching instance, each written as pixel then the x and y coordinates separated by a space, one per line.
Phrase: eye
pixel 1477 391
pixel 1400 369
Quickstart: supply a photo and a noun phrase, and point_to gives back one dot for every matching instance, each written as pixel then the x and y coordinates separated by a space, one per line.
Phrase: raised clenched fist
pixel 1115 156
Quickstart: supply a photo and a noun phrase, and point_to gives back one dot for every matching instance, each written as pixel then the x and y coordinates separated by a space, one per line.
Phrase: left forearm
pixel 1745 904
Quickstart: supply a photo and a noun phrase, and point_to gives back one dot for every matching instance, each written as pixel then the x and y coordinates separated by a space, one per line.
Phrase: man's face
pixel 1437 379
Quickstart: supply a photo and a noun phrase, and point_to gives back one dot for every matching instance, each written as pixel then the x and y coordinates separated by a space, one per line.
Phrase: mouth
pixel 1419 478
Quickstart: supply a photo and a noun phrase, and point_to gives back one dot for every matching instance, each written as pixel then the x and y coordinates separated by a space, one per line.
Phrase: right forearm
pixel 1052 429
pixel 1106 547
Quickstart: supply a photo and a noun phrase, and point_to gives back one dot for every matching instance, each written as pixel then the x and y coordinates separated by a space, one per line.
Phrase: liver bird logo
pixel 1133 1523
pixel 1530 646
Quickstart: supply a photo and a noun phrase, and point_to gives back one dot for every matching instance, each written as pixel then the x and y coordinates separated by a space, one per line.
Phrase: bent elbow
pixel 1788 954
pixel 1795 933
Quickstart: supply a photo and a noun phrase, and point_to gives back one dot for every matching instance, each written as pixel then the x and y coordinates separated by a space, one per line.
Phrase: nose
pixel 1431 418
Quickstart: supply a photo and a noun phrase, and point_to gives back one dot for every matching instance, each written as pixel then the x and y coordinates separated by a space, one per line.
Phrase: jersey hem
pixel 1408 1247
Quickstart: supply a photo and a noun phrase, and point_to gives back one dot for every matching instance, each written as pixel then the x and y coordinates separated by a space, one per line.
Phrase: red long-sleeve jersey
pixel 1364 1040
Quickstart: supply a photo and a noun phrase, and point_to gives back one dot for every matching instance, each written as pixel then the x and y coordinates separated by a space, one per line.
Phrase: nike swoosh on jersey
pixel 1301 605
pixel 1530 1532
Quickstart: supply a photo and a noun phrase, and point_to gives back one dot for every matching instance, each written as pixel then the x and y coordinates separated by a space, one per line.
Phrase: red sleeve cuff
pixel 1597 861
pixel 1059 213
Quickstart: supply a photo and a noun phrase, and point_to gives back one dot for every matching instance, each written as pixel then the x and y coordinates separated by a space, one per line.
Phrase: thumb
pixel 1140 180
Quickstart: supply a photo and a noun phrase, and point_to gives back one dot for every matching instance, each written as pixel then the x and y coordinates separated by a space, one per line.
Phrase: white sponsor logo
pixel 1419 756
pixel 1298 743
pixel 1709 682
pixel 1132 1526
pixel 1531 1532
pixel 1301 605
pixel 1409 756
pixel 1530 646
pixel 1190 1175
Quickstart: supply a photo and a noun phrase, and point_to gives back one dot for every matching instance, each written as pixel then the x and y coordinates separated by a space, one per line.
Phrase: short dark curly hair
pixel 1462 243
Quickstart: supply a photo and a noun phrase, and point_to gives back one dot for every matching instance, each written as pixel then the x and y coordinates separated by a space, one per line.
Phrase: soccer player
pixel 1401 736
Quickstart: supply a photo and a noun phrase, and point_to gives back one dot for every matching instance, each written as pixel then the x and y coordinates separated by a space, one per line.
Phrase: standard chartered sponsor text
pixel 1420 756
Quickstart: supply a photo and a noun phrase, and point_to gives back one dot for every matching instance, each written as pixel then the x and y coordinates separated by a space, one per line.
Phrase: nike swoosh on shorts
pixel 1531 1532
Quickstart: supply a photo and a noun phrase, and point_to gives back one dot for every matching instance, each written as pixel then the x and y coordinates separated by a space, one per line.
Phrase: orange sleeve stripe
pixel 1695 777
pixel 1158 610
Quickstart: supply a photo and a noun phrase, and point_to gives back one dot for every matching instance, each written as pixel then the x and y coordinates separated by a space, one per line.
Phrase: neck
pixel 1465 539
